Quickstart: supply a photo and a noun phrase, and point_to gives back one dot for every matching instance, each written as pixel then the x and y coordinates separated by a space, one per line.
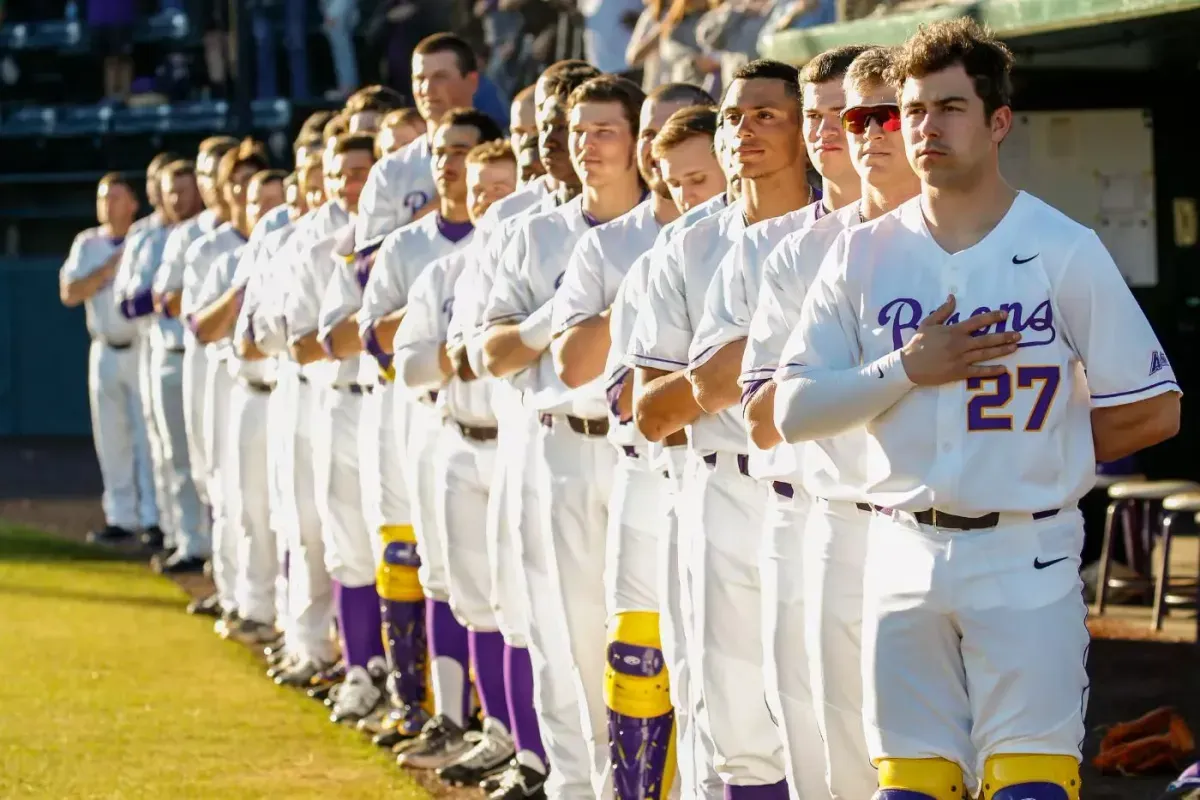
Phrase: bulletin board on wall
pixel 1098 168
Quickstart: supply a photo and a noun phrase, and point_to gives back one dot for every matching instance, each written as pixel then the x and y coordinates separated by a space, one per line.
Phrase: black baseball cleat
pixel 152 538
pixel 520 783
pixel 179 564
pixel 400 725
pixel 206 606
pixel 110 535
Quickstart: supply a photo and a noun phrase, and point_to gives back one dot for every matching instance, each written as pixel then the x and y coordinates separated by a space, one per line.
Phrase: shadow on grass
pixel 63 593
pixel 31 546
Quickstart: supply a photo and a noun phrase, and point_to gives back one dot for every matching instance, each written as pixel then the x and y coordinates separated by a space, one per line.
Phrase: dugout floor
pixel 52 485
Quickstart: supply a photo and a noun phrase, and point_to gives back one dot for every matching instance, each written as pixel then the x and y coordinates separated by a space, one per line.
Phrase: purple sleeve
pixel 140 304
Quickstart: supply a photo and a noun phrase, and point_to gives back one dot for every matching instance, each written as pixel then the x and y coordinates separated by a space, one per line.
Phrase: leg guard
pixel 402 604
pixel 1031 777
pixel 920 779
pixel 641 720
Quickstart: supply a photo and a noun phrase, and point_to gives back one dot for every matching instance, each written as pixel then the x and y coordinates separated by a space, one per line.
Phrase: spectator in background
pixel 219 49
pixel 339 18
pixel 606 32
pixel 264 16
pixel 111 25
pixel 643 50
pixel 488 97
pixel 795 14
pixel 682 60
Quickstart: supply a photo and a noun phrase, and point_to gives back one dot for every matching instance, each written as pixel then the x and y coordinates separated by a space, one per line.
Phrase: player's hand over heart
pixel 941 353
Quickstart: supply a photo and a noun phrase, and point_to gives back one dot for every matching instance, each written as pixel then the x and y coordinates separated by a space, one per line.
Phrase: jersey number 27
pixel 992 395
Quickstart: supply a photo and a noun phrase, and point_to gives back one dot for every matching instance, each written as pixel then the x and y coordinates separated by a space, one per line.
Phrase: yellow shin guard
pixel 925 778
pixel 1017 776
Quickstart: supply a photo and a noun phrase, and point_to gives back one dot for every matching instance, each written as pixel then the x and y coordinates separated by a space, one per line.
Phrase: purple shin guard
pixel 771 791
pixel 358 623
pixel 487 659
pixel 448 639
pixel 518 690
pixel 639 747
pixel 404 637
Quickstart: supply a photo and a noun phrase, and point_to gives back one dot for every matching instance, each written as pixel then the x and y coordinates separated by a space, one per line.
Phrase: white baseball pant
pixel 787 656
pixel 246 490
pixel 280 447
pixel 556 696
pixel 421 430
pixel 726 507
pixel 218 385
pixel 970 648
pixel 165 516
pixel 577 483
pixel 504 497
pixel 349 554
pixel 381 465
pixel 463 478
pixel 195 389
pixel 191 531
pixel 310 593
pixel 119 434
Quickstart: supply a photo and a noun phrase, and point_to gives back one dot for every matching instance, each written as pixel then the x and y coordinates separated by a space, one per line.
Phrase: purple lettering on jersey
pixel 1037 329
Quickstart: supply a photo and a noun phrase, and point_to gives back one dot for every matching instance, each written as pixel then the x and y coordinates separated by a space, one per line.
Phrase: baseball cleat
pixel 300 674
pixel 372 723
pixel 441 743
pixel 356 697
pixel 520 782
pixel 227 622
pixel 205 606
pixel 400 726
pixel 152 538
pixel 286 662
pixel 178 564
pixel 251 633
pixel 110 535
pixel 492 751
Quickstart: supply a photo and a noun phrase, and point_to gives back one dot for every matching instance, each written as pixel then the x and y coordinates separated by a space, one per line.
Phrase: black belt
pixel 630 451
pixel 116 345
pixel 477 433
pixel 783 489
pixel 303 378
pixel 584 427
pixel 940 519
pixel 355 388
pixel 743 461
pixel 260 387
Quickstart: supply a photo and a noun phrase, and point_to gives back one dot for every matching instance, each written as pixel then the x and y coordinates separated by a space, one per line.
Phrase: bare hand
pixel 941 353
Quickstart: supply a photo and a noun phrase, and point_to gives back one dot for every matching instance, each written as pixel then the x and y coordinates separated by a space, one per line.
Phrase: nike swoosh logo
pixel 1039 564
pixel 1025 260
pixel 878 372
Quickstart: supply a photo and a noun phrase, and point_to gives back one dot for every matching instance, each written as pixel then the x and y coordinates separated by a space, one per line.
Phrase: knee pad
pixel 920 779
pixel 396 576
pixel 1031 777
pixel 641 718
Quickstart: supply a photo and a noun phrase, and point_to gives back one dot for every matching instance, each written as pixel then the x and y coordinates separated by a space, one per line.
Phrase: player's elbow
pixel 496 351
pixel 649 422
pixel 789 418
pixel 704 392
pixel 68 296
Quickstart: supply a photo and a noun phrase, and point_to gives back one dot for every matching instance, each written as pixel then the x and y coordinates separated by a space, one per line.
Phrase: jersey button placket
pixel 951 409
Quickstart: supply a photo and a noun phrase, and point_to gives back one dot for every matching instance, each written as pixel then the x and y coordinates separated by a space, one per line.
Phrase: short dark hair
pixel 315 123
pixel 686 123
pixel 337 125
pixel 612 89
pixel 354 142
pixel 116 179
pixel 491 152
pixel 401 118
pixel 939 45
pixel 870 68
pixel 832 64
pixel 179 168
pixel 160 161
pixel 769 69
pixel 379 99
pixel 217 143
pixel 688 93
pixel 472 118
pixel 464 54
pixel 270 175
pixel 566 63
pixel 248 153
pixel 562 82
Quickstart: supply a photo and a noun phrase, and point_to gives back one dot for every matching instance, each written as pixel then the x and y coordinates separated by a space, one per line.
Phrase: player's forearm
pixel 819 403
pixel 1119 431
pixel 76 292
pixel 422 365
pixel 169 304
pixel 715 382
pixel 306 349
pixel 505 352
pixel 385 331
pixel 247 350
pixel 663 403
pixel 580 352
pixel 759 413
pixel 216 320
pixel 342 340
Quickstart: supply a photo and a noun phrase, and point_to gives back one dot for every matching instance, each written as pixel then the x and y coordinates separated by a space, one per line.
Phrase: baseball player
pixel 234 171
pixel 717 352
pixel 398 129
pixel 761 113
pixel 465 451
pixel 813 576
pixel 349 558
pixel 640 720
pixel 522 135
pixel 244 463
pixel 575 460
pixel 87 278
pixel 994 353
pixel 444 76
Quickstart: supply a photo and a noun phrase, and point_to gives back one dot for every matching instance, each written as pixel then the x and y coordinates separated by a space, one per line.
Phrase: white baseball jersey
pixel 130 279
pixel 201 256
pixel 509 206
pixel 263 306
pixel 1018 443
pixel 89 251
pixel 254 273
pixel 169 275
pixel 402 257
pixel 164 333
pixel 527 277
pixel 312 268
pixel 400 184
pixel 674 303
pixel 829 468
pixel 431 303
pixel 218 281
pixel 342 297
pixel 594 275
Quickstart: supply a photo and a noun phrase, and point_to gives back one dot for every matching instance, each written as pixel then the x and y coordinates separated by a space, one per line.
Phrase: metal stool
pixel 1179 593
pixel 1127 496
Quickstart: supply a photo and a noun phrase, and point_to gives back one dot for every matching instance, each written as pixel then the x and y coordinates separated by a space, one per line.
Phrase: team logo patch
pixel 415 201
pixel 1158 362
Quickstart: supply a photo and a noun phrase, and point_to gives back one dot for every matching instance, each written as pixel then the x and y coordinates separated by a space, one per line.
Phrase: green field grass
pixel 109 690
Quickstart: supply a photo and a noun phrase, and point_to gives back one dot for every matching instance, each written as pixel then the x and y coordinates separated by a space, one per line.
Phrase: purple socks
pixel 449 655
pixel 518 690
pixel 487 659
pixel 359 623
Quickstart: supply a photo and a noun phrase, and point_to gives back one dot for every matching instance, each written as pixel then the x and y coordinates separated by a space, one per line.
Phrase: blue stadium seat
pixel 167 26
pixel 83 120
pixel 51 35
pixel 271 114
pixel 29 121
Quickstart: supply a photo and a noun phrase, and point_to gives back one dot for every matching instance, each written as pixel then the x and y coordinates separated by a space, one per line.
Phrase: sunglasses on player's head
pixel 857 119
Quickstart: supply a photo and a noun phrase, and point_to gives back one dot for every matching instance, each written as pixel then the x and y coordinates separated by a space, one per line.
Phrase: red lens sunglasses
pixel 857 119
